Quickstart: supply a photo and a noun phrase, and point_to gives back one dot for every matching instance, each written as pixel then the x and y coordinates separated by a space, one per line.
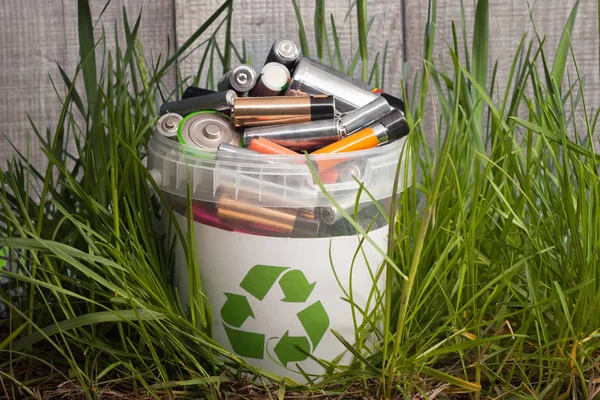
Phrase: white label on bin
pixel 276 299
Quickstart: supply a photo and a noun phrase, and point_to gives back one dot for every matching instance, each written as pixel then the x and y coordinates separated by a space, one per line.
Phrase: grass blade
pixel 301 30
pixel 361 12
pixel 87 50
pixel 320 29
pixel 562 52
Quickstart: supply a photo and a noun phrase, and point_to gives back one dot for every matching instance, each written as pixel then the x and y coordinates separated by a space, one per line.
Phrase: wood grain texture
pixel 38 35
pixel 261 22
pixel 509 20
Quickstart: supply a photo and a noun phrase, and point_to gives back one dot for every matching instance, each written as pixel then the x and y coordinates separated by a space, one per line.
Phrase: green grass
pixel 496 243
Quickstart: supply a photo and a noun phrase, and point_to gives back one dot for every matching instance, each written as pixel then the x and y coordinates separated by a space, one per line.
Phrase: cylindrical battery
pixel 276 221
pixel 364 139
pixel 395 123
pixel 304 136
pixel 168 124
pixel 284 51
pixel 241 79
pixel 390 127
pixel 312 77
pixel 274 79
pixel 218 101
pixel 194 91
pixel 207 130
pixel 232 152
pixel 365 115
pixel 266 146
pixel 255 111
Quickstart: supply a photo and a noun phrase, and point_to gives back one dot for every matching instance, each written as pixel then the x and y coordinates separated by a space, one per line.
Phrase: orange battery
pixel 329 176
pixel 365 139
pixel 265 146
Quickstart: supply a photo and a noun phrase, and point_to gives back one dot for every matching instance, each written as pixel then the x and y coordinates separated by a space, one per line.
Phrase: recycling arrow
pixel 236 310
pixel 315 321
pixel 295 286
pixel 246 344
pixel 260 278
pixel 287 349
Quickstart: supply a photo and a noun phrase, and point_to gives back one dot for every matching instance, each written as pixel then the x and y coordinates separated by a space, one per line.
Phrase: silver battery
pixel 304 136
pixel 232 152
pixel 167 125
pixel 218 101
pixel 284 51
pixel 208 130
pixel 241 79
pixel 312 77
pixel 273 80
pixel 365 115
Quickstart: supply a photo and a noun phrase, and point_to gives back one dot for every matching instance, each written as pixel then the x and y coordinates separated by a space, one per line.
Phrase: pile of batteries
pixel 293 107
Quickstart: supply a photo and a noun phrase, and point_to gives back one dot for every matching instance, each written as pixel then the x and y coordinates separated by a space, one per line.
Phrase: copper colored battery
pixel 277 221
pixel 207 215
pixel 256 111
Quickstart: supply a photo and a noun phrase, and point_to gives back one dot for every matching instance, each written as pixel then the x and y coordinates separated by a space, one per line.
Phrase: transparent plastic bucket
pixel 282 266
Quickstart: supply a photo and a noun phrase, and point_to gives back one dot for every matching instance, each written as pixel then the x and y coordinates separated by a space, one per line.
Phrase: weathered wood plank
pixel 262 22
pixel 38 35
pixel 509 20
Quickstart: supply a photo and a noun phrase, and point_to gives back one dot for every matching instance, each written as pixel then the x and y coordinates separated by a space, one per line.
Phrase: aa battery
pixel 241 79
pixel 304 136
pixel 194 91
pixel 365 115
pixel 312 77
pixel 207 130
pixel 390 127
pixel 277 222
pixel 168 124
pixel 274 79
pixel 255 111
pixel 284 51
pixel 218 101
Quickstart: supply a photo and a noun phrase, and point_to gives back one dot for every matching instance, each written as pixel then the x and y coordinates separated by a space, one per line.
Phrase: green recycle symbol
pixel 296 288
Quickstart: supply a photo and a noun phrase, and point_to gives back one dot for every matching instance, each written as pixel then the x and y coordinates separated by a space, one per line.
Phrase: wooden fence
pixel 36 35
